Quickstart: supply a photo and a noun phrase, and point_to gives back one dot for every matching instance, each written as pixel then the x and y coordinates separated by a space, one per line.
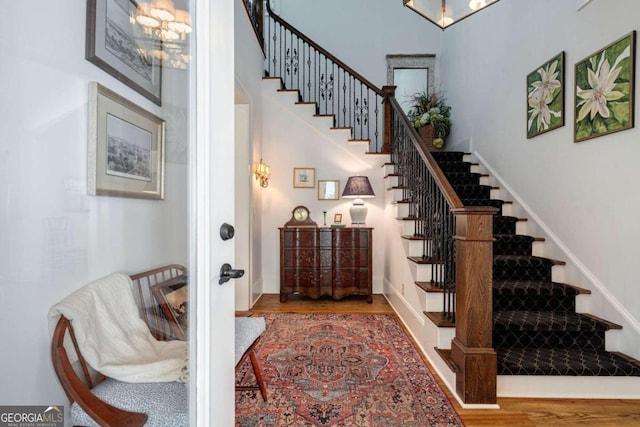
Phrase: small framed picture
pixel 304 178
pixel 126 147
pixel 173 298
pixel 337 218
pixel 328 189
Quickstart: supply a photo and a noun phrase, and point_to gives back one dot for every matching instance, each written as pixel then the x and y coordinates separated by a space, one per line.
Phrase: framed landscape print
pixel 545 97
pixel 304 178
pixel 114 44
pixel 126 147
pixel 604 90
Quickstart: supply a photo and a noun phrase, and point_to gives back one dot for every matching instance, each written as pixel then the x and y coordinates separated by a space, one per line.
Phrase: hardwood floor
pixel 512 412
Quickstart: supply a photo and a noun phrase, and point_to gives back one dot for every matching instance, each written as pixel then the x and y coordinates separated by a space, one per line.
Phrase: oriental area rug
pixel 340 370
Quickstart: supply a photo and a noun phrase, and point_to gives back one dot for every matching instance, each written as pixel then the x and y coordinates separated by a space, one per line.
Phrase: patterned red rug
pixel 341 370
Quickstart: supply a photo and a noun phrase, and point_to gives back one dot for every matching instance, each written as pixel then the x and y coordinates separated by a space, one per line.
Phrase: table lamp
pixel 358 187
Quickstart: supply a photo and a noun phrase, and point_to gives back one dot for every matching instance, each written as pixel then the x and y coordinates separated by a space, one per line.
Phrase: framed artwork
pixel 337 218
pixel 173 298
pixel 126 147
pixel 117 46
pixel 545 97
pixel 328 190
pixel 304 178
pixel 604 90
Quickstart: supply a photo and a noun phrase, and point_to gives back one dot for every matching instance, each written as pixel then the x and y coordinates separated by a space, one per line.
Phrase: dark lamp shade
pixel 358 187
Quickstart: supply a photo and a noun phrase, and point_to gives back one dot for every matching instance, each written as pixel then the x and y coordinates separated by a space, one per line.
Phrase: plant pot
pixel 428 134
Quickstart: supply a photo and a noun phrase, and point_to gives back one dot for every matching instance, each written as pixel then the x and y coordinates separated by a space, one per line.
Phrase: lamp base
pixel 358 212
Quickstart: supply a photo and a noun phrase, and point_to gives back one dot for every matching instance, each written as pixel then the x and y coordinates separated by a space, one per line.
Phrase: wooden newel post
pixel 472 349
pixel 387 91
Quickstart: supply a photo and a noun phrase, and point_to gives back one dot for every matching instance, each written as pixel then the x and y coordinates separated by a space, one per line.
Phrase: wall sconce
pixel 358 187
pixel 262 173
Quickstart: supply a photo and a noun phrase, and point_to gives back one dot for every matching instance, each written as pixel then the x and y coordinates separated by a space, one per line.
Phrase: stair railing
pixel 458 243
pixel 323 79
pixel 432 202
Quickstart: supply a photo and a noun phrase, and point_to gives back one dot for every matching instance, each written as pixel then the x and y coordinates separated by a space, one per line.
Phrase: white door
pixel 212 204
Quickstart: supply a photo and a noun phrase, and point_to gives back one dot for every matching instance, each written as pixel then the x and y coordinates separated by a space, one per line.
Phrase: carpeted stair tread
pixel 570 362
pixel 536 328
pixel 463 178
pixel 545 321
pixel 495 203
pixel 512 244
pixel 447 166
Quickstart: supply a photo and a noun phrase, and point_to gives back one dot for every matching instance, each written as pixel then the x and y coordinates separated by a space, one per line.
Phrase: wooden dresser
pixel 325 261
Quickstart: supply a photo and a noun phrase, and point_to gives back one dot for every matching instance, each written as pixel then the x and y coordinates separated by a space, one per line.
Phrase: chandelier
pixel 445 13
pixel 164 30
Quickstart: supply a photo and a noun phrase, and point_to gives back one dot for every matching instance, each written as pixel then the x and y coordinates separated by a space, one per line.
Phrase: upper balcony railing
pixel 323 79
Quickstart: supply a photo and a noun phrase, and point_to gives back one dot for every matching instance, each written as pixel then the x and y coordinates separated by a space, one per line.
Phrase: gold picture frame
pixel 126 147
pixel 328 189
pixel 304 177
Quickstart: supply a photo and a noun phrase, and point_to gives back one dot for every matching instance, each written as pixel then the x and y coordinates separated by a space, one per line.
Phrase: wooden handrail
pixel 319 48
pixel 448 192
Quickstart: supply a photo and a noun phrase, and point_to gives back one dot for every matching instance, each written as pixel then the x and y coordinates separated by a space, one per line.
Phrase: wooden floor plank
pixel 513 412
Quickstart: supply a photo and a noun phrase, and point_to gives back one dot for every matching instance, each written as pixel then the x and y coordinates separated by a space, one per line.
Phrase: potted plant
pixel 430 116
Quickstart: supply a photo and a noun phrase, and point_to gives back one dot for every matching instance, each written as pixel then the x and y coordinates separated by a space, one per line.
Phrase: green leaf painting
pixel 604 90
pixel 545 97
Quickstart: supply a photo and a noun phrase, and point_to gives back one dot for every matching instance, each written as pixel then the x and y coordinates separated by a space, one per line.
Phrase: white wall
pixel 292 138
pixel 249 60
pixel 54 237
pixel 585 193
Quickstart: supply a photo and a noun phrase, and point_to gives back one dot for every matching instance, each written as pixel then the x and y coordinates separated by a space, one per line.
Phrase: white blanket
pixel 114 339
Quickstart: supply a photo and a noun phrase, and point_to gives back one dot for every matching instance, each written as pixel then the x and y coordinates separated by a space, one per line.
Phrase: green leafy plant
pixel 431 110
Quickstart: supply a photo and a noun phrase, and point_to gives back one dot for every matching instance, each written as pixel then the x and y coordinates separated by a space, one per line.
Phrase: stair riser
pixel 504 225
pixel 402 210
pixel 473 191
pixel 421 272
pixel 588 340
pixel 505 271
pixel 397 195
pixel 516 245
pixel 390 181
pixel 408 228
pixel 413 247
pixel 534 302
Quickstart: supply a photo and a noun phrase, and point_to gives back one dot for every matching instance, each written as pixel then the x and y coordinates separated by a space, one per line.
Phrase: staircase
pixel 537 332
pixel 536 328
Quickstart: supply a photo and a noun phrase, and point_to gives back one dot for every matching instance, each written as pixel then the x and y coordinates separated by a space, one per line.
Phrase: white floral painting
pixel 604 90
pixel 545 97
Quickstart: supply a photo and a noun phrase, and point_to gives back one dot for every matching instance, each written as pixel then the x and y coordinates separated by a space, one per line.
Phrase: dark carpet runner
pixel 536 328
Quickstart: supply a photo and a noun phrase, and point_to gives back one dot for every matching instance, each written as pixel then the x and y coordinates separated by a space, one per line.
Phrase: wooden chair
pixel 248 332
pixel 98 400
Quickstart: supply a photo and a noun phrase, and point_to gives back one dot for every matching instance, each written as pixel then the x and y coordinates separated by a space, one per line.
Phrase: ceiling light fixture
pixel 445 13
pixel 165 31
